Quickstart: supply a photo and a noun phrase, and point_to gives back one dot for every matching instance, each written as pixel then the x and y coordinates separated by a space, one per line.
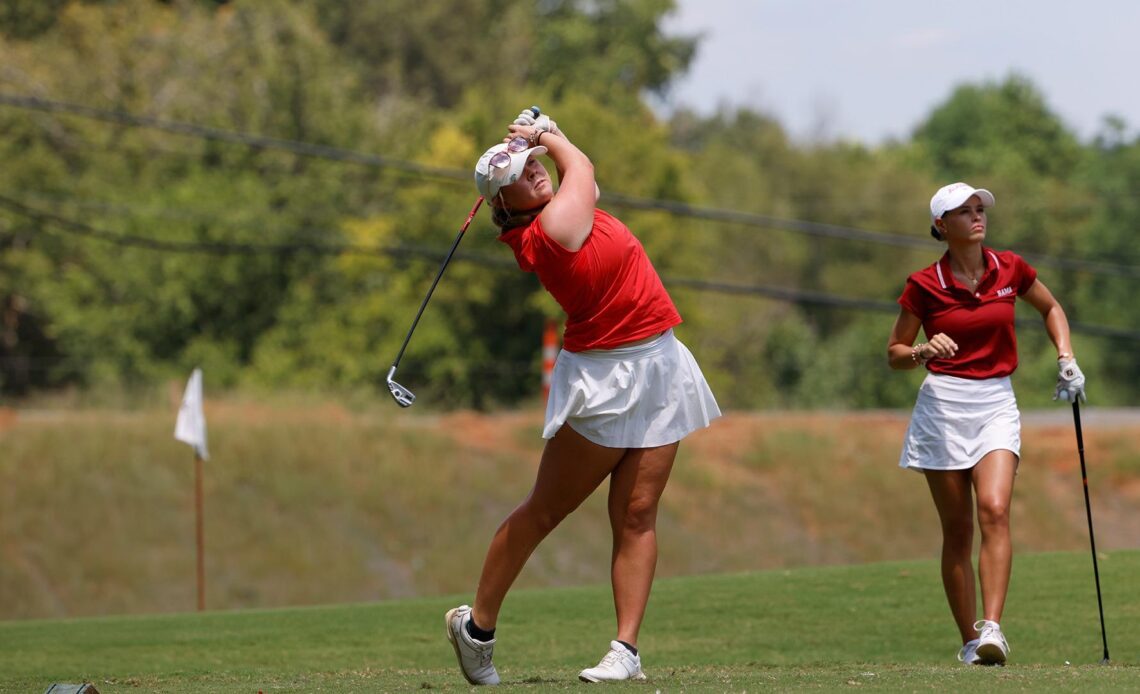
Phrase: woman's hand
pixel 939 347
pixel 528 132
pixel 1070 381
pixel 542 122
pixel 527 117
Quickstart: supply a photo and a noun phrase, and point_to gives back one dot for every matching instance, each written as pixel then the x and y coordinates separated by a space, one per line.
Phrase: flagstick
pixel 198 531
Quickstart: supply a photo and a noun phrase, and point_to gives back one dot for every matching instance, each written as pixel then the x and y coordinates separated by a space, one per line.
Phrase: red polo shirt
pixel 981 322
pixel 608 288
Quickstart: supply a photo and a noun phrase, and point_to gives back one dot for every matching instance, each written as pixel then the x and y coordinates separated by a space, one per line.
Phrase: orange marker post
pixel 549 353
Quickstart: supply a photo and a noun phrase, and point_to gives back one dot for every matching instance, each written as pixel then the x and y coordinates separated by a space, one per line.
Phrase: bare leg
pixel 572 467
pixel 955 504
pixel 635 490
pixel 993 485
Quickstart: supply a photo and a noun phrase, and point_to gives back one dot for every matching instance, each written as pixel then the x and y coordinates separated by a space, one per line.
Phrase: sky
pixel 873 70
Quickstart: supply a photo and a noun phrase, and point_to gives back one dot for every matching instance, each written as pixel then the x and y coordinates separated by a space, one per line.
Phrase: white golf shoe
pixel 474 656
pixel 968 655
pixel 619 664
pixel 992 646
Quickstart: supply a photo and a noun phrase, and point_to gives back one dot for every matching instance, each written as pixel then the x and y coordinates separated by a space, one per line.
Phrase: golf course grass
pixel 875 627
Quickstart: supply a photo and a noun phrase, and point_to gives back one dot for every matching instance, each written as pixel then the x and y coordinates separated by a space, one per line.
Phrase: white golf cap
pixel 954 196
pixel 489 179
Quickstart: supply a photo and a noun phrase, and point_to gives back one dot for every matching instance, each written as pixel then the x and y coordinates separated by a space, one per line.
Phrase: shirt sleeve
pixel 913 298
pixel 532 246
pixel 1026 274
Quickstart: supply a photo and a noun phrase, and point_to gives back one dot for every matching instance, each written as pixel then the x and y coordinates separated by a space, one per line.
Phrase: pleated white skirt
pixel 957 421
pixel 638 396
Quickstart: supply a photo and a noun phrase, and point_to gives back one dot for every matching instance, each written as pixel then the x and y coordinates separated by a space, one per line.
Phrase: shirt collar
pixel 946 276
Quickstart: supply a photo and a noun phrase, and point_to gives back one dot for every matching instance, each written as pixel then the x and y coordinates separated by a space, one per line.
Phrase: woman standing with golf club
pixel 965 431
pixel 624 390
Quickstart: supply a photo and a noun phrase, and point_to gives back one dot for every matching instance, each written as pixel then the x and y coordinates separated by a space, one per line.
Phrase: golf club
pixel 1088 512
pixel 402 395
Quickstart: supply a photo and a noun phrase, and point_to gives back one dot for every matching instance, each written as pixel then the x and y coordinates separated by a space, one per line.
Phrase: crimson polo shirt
pixel 981 322
pixel 608 288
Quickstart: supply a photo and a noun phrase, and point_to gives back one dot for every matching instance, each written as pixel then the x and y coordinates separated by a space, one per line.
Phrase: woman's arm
pixel 900 344
pixel 547 124
pixel 597 190
pixel 569 216
pixel 1056 323
pixel 903 354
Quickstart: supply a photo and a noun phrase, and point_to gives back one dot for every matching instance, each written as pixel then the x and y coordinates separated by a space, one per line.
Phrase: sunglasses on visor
pixel 502 160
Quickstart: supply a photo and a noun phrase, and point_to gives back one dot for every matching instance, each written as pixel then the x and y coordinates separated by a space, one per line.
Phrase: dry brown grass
pixel 322 504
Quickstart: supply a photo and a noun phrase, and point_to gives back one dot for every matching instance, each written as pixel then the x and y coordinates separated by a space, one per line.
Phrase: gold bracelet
pixel 914 354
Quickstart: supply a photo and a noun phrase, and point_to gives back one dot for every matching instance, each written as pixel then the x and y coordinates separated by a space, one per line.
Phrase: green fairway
pixel 878 626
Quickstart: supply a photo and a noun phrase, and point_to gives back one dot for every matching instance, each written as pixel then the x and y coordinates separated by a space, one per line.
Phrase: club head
pixel 402 396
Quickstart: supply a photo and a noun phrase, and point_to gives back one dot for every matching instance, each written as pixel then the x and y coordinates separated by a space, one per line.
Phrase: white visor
pixel 490 179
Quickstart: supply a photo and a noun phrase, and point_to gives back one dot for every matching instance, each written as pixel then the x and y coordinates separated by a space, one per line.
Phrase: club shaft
pixel 442 267
pixel 1088 514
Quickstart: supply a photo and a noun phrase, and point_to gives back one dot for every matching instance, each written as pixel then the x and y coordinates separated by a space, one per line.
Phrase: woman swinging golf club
pixel 624 390
pixel 965 430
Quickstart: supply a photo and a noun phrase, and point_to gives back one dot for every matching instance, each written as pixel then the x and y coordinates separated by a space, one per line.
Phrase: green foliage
pixel 995 127
pixel 429 53
pixel 26 19
pixel 430 85
pixel 1108 234
pixel 606 48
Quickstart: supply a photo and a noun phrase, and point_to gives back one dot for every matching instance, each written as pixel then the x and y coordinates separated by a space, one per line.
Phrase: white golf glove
pixel 1070 381
pixel 542 122
pixel 527 117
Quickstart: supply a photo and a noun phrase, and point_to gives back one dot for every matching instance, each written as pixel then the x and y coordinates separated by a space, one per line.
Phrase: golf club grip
pixel 442 267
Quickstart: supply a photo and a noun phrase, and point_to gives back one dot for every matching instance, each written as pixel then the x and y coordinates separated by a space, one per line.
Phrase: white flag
pixel 191 425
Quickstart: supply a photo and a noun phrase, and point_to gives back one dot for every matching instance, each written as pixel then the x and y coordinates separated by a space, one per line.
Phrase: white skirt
pixel 639 396
pixel 957 421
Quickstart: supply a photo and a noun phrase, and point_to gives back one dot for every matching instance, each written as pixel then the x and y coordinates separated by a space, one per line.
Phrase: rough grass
pixel 317 504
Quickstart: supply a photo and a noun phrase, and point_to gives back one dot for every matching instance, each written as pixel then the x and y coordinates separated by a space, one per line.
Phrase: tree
pixel 27 19
pixel 124 311
pixel 607 48
pixel 434 52
pixel 982 125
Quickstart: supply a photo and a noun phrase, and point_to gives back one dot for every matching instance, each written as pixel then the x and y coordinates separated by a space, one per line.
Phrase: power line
pixel 227 248
pixel 850 234
pixel 787 294
pixel 306 149
pixel 810 298
pixel 677 208
pixel 85 230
